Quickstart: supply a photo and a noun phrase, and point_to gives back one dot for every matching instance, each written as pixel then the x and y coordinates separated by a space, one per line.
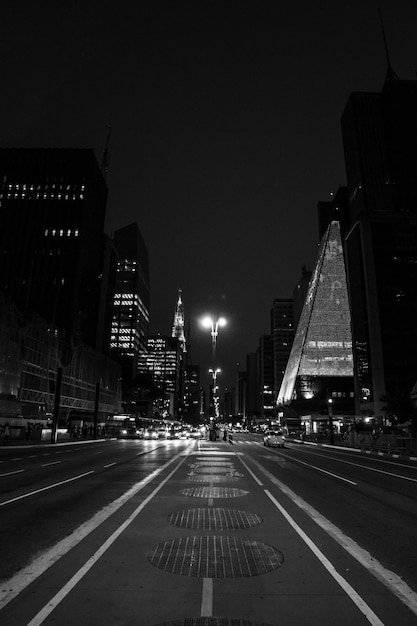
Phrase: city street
pixel 181 532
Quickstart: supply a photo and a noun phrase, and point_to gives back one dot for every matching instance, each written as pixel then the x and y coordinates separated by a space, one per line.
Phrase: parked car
pixel 274 438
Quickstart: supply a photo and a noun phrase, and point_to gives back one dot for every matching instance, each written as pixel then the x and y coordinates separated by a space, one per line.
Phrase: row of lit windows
pixel 45 196
pixel 25 187
pixel 330 344
pixel 61 232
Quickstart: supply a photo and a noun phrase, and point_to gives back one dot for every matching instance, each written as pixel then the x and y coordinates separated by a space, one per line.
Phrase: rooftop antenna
pixel 390 75
pixel 105 159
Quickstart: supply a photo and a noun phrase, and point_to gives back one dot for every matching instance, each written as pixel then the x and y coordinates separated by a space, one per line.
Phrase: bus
pixel 128 426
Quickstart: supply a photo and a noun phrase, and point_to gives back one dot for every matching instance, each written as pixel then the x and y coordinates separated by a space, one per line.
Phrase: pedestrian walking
pixel 6 435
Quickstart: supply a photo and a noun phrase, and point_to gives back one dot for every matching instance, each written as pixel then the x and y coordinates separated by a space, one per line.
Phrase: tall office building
pixel 130 307
pixel 191 393
pixel 282 328
pixel 380 147
pixel 163 361
pixel 52 211
pixel 266 376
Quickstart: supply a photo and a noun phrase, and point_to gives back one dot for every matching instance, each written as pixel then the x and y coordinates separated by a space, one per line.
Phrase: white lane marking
pixel 52 463
pixel 207 598
pixel 110 464
pixel 31 493
pixel 100 452
pixel 10 473
pixel 379 471
pixel 33 456
pixel 387 577
pixel 367 452
pixel 256 479
pixel 38 566
pixel 69 586
pixel 347 588
pixel 18 458
pixel 319 469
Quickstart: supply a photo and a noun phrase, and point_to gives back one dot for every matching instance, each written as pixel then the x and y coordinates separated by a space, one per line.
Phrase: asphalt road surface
pixel 186 533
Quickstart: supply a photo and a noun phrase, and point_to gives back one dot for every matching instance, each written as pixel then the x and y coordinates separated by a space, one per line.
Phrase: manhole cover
pixel 214 519
pixel 213 621
pixel 212 556
pixel 212 478
pixel 214 492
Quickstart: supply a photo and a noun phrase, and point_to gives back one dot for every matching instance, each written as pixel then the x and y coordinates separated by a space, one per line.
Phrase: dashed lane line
pixel 32 493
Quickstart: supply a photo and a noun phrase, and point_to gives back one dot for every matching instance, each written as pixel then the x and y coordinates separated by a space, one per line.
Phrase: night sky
pixel 225 133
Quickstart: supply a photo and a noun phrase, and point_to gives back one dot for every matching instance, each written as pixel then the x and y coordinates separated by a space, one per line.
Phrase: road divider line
pixel 27 575
pixel 52 463
pixel 32 493
pixel 388 578
pixel 69 586
pixel 363 607
pixel 255 478
pixel 207 598
pixel 10 473
pixel 110 464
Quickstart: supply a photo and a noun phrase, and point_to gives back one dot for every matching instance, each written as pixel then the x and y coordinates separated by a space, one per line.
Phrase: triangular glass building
pixel 322 347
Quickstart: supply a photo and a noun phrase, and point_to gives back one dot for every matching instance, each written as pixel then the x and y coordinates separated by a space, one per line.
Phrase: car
pixel 150 433
pixel 274 438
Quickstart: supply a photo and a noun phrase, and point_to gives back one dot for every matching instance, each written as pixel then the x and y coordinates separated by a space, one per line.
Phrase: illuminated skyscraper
pixel 130 310
pixel 178 325
pixel 163 361
pixel 321 360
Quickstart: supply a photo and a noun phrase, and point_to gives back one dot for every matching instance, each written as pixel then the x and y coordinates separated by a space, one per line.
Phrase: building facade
pixel 130 304
pixel 282 329
pixel 52 211
pixel 162 361
pixel 380 147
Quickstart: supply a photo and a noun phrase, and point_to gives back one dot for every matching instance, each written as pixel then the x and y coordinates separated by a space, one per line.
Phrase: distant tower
pixel 178 326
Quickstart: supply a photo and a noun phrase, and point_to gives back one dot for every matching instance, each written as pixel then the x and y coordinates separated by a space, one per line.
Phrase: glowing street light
pixel 214 325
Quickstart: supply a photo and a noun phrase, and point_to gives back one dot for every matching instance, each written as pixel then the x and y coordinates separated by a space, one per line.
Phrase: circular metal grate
pixel 212 478
pixel 214 492
pixel 213 556
pixel 214 519
pixel 213 621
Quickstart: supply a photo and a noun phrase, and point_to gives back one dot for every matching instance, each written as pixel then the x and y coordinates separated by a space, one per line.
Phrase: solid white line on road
pixel 32 493
pixel 347 588
pixel 24 577
pixel 388 578
pixel 10 473
pixel 319 469
pixel 207 598
pixel 66 589
pixel 255 478
pixel 52 463
pixel 110 464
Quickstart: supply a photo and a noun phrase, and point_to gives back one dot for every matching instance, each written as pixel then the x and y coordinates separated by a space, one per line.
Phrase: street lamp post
pixel 330 413
pixel 214 324
pixel 214 373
